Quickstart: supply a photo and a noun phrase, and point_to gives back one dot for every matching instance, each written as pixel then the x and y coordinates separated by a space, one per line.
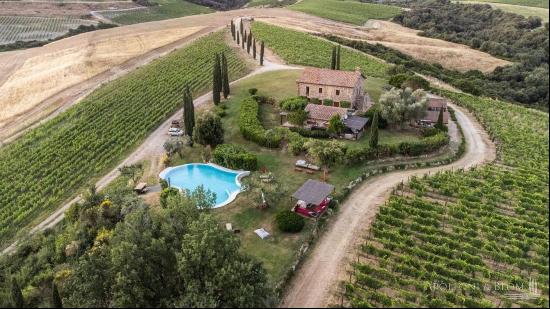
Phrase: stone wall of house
pixel 434 106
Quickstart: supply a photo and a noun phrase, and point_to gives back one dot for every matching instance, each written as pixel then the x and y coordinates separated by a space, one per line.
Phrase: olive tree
pixel 399 106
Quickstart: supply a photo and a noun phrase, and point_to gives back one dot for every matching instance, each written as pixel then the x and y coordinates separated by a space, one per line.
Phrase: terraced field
pixel 303 49
pixel 27 28
pixel 350 11
pixel 466 239
pixel 82 143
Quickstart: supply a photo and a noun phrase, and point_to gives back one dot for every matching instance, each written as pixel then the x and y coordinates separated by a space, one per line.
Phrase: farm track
pixel 317 280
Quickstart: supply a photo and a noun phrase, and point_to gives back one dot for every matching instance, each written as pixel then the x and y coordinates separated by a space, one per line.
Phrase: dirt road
pixel 152 147
pixel 316 281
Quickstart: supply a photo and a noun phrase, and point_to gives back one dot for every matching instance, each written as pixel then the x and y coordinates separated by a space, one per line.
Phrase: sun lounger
pixel 306 165
pixel 263 234
pixel 229 227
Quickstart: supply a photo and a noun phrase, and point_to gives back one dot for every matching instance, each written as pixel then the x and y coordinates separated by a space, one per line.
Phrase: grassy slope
pixel 518 9
pixel 165 10
pixel 303 49
pixel 91 137
pixel 350 11
pixel 491 214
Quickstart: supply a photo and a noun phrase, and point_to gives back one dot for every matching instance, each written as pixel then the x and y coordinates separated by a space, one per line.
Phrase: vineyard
pixel 165 10
pixel 466 239
pixel 350 11
pixel 53 161
pixel 27 28
pixel 303 49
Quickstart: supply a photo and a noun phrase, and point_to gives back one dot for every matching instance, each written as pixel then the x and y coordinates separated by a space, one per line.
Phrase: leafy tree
pixel 188 112
pixel 16 295
pixel 262 47
pixel 208 130
pixel 216 80
pixel 401 105
pixel 416 82
pixel 336 125
pixel 289 221
pixel 373 140
pixel 326 153
pixel 56 299
pixel 203 199
pixel 225 77
pixel 298 117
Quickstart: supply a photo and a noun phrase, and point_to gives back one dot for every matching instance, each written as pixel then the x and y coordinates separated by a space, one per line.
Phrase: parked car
pixel 175 132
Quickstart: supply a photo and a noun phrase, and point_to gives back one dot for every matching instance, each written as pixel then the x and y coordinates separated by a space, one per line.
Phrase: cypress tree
pixel 238 39
pixel 216 80
pixel 254 49
pixel 333 59
pixel 262 46
pixel 440 125
pixel 233 29
pixel 249 42
pixel 243 40
pixel 242 27
pixel 373 141
pixel 188 112
pixel 16 295
pixel 56 299
pixel 225 77
pixel 338 58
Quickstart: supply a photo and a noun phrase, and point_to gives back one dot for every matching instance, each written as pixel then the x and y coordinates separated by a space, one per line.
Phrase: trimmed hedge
pixel 345 104
pixel 328 102
pixel 293 104
pixel 235 157
pixel 251 128
pixel 290 222
pixel 311 133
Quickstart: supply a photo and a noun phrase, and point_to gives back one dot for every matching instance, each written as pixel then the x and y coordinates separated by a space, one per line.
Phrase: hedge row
pixel 423 146
pixel 235 157
pixel 251 128
pixel 310 133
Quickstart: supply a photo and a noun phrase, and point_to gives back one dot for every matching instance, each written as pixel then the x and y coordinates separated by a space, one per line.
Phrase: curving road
pixel 316 281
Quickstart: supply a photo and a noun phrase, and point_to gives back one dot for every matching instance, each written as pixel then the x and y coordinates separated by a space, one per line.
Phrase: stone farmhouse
pixel 435 104
pixel 344 88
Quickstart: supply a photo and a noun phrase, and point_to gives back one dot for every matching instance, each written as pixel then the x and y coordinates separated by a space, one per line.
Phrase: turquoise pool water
pixel 223 182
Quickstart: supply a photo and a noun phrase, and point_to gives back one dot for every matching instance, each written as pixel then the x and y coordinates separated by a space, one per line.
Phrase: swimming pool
pixel 222 181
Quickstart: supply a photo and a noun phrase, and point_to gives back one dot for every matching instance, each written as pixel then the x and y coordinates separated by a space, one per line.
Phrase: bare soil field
pixel 79 9
pixel 40 82
pixel 450 55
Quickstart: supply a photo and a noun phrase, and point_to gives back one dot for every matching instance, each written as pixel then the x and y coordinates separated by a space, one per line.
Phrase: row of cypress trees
pixel 220 79
pixel 18 301
pixel 247 41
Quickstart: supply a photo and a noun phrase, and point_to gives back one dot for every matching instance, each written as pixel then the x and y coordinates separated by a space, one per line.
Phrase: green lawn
pixel 518 9
pixel 374 86
pixel 350 11
pixel 165 10
pixel 276 253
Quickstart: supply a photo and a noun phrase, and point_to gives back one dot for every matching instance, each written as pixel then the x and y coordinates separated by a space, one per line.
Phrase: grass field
pixel 531 3
pixel 350 11
pixel 27 28
pixel 518 9
pixel 270 3
pixel 303 49
pixel 165 10
pixel 73 148
pixel 466 239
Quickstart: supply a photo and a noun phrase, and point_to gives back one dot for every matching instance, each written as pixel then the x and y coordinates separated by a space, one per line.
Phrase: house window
pixel 320 90
pixel 307 91
pixel 337 92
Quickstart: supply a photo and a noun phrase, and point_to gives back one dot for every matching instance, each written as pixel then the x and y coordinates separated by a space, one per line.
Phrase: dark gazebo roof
pixel 356 123
pixel 313 192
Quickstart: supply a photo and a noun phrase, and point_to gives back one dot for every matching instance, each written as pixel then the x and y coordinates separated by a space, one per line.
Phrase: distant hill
pixel 221 4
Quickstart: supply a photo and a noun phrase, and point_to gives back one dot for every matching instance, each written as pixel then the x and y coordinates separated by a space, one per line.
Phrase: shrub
pixel 290 222
pixel 298 117
pixel 328 102
pixel 235 157
pixel 397 80
pixel 260 99
pixel 315 101
pixel 345 104
pixel 252 129
pixel 293 104
pixel 253 91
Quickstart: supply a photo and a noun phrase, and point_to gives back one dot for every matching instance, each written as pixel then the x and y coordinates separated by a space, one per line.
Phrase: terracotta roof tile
pixel 329 77
pixel 322 112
